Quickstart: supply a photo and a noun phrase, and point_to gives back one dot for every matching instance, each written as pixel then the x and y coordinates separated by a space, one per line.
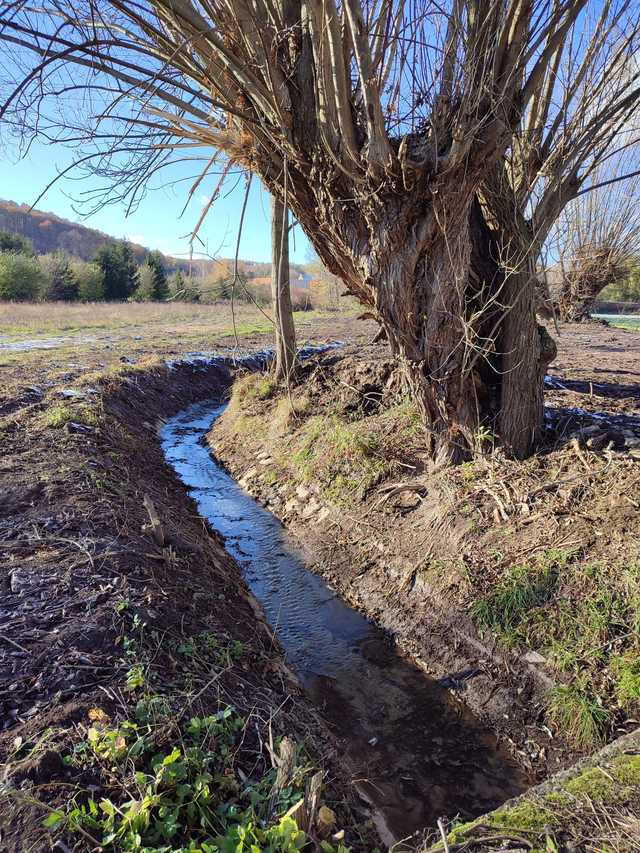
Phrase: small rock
pixel 311 508
pixel 303 493
pixel 324 513
pixel 291 506
pixel 72 426
pixel 534 657
pixel 18 581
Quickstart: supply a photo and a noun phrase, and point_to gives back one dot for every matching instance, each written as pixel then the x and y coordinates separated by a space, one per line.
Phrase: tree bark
pixel 522 366
pixel 285 353
pixel 466 335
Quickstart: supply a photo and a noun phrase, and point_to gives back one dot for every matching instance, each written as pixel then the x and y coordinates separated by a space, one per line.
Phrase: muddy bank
pixel 414 752
pixel 512 583
pixel 100 615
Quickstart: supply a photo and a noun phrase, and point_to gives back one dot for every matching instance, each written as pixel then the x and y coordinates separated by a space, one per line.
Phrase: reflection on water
pixel 422 755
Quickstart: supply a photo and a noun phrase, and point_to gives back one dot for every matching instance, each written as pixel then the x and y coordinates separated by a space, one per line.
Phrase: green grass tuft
pixel 578 714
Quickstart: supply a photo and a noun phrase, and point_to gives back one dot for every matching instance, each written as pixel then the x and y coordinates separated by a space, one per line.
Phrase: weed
pixel 136 677
pixel 60 414
pixel 521 589
pixel 183 791
pixel 255 386
pixel 578 714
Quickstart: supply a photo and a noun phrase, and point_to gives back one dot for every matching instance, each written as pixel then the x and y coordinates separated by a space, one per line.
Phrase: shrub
pixel 15 243
pixel 90 280
pixel 301 299
pixel 21 278
pixel 183 289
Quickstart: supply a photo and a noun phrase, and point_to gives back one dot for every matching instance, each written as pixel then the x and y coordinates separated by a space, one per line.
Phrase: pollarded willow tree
pixel 426 149
pixel 596 240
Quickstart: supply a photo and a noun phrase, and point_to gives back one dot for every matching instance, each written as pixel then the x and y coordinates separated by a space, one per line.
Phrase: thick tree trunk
pixel 285 354
pixel 467 339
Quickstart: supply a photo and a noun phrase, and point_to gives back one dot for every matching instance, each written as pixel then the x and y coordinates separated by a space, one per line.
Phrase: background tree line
pixel 115 275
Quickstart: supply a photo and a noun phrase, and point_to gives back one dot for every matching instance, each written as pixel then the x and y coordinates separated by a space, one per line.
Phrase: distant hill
pixel 50 233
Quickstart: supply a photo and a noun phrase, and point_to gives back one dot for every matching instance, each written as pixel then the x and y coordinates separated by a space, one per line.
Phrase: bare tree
pixel 280 291
pixel 427 149
pixel 594 242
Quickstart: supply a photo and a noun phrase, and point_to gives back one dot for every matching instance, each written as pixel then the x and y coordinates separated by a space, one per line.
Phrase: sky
pixel 156 223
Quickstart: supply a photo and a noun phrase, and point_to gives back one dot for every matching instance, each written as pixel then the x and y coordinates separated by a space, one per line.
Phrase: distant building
pixel 297 280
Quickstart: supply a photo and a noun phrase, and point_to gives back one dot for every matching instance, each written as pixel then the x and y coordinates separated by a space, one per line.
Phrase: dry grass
pixel 56 317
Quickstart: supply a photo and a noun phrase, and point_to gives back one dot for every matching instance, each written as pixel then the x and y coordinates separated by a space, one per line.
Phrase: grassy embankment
pixel 566 588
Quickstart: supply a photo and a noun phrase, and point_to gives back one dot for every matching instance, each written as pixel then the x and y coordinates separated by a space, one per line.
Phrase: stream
pixel 417 753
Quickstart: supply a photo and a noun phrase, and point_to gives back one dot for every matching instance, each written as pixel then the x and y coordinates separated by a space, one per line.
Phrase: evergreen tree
pixel 145 292
pixel 130 269
pixel 120 271
pixel 109 261
pixel 62 284
pixel 160 282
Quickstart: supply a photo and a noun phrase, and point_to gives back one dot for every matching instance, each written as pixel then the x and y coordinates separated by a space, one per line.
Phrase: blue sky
pixel 156 223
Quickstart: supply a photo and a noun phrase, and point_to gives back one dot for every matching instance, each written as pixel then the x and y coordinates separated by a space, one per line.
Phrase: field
pixel 103 338
pixel 621 321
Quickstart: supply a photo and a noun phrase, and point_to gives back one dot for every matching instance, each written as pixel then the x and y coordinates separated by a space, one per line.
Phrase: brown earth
pixel 342 465
pixel 83 580
pixel 82 574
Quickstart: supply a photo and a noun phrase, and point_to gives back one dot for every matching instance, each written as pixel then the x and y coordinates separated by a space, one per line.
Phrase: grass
pixel 626 672
pixel 348 458
pixel 521 589
pixel 584 619
pixel 621 321
pixel 55 318
pixel 578 714
pixel 59 415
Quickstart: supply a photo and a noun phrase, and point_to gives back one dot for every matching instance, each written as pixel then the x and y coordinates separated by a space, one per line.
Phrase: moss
pixel 626 769
pixel 558 800
pixel 526 814
pixel 595 784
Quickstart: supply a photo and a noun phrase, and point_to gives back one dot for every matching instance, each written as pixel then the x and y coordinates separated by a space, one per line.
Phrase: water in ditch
pixel 418 754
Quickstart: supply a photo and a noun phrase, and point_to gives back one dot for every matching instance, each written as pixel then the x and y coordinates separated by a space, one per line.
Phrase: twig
pixel 444 835
pixel 13 643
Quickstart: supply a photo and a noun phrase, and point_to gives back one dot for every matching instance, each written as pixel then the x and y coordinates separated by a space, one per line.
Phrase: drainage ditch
pixel 415 752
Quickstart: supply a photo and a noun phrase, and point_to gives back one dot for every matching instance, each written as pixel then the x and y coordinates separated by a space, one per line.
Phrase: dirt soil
pixel 516 584
pixel 90 597
pixel 97 612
